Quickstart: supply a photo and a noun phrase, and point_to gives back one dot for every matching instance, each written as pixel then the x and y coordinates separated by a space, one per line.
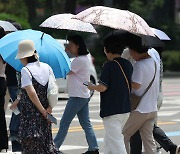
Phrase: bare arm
pixel 99 87
pixel 136 85
pixel 34 98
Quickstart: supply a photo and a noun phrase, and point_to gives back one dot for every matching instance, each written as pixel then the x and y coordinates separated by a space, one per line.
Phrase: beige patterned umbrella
pixel 65 21
pixel 115 18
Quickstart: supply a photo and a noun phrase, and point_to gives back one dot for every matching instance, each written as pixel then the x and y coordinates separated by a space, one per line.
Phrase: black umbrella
pixel 147 41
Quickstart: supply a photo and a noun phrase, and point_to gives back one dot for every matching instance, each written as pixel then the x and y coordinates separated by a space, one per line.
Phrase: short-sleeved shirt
pixel 143 74
pixel 116 99
pixel 80 67
pixel 40 72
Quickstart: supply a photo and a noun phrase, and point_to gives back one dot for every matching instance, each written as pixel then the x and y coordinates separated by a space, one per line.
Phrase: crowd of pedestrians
pixel 125 129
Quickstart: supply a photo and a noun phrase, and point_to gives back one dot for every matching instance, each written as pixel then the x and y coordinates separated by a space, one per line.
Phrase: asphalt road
pixel 168 119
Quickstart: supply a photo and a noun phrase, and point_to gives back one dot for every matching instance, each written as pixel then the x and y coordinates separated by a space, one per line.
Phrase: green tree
pixel 15 7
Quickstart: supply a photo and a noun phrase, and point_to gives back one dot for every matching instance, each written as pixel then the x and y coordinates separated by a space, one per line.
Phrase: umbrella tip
pixel 42 35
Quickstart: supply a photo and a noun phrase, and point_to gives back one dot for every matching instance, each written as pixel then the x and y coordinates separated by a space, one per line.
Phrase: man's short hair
pixel 114 44
pixel 136 45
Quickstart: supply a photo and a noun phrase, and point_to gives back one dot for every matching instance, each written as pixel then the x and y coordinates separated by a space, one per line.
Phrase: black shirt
pixel 116 99
pixel 11 76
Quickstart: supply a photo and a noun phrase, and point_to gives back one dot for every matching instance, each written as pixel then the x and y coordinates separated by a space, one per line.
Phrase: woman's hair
pixel 114 44
pixel 78 40
pixel 32 58
pixel 2 32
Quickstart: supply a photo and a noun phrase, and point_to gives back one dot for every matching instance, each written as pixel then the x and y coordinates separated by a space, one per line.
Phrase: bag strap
pixel 124 76
pixel 128 82
pixel 29 71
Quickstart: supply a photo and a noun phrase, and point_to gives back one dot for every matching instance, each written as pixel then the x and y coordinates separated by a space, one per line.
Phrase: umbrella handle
pixel 42 35
pixel 67 35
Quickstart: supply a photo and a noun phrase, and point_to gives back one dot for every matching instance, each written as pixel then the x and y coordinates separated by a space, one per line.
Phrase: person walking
pixel 115 95
pixel 159 135
pixel 79 95
pixel 14 91
pixel 35 130
pixel 3 127
pixel 145 74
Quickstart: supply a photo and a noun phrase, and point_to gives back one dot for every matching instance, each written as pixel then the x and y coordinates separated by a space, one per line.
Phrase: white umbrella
pixel 7 26
pixel 115 18
pixel 160 34
pixel 65 21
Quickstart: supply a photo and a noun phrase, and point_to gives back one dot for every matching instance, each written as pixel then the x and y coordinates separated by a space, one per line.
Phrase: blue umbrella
pixel 47 47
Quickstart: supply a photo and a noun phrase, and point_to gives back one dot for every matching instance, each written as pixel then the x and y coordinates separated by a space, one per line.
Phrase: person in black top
pixel 115 94
pixel 3 128
pixel 12 85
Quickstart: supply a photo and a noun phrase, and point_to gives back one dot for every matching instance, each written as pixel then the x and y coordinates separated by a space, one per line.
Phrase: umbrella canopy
pixel 160 34
pixel 7 26
pixel 115 18
pixel 146 40
pixel 47 47
pixel 65 21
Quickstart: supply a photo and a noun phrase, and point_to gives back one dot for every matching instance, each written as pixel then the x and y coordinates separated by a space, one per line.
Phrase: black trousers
pixel 159 136
pixel 3 128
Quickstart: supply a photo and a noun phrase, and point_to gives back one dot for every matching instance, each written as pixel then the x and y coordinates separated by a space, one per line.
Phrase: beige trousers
pixel 144 122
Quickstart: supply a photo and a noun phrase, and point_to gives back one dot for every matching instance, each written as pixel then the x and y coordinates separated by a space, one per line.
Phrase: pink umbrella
pixel 115 18
pixel 65 21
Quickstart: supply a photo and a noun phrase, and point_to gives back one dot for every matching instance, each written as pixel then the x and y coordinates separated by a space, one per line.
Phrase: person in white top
pixel 35 129
pixel 158 133
pixel 78 95
pixel 142 118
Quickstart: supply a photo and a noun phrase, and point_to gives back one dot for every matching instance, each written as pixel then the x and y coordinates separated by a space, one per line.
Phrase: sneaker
pixel 91 152
pixel 178 149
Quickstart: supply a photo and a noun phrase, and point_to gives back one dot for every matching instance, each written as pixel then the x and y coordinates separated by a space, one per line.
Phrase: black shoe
pixel 91 152
pixel 173 149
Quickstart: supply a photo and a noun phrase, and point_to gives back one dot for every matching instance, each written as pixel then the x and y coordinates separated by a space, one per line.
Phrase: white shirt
pixel 155 55
pixel 143 74
pixel 2 68
pixel 40 72
pixel 126 55
pixel 81 73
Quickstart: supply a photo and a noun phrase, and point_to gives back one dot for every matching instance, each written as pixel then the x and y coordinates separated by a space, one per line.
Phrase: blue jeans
pixel 15 122
pixel 15 119
pixel 80 107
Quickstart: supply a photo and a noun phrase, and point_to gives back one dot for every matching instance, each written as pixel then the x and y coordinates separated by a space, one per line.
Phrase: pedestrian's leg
pixel 136 143
pixel 163 139
pixel 113 126
pixel 83 116
pixel 3 128
pixel 15 122
pixel 133 124
pixel 106 145
pixel 146 132
pixel 13 92
pixel 72 108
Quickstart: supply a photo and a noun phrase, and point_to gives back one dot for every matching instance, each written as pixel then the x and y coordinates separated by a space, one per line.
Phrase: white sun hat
pixel 26 48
